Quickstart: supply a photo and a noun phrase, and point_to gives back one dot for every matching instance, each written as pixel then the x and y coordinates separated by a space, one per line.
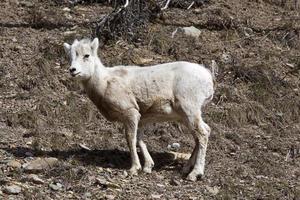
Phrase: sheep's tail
pixel 214 69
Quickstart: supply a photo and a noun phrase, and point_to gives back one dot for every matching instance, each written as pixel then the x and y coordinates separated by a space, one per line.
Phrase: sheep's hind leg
pixel 149 163
pixel 191 162
pixel 200 133
pixel 131 137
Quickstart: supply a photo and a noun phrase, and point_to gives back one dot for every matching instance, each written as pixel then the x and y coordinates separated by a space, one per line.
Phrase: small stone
pixel 125 173
pixel 212 190
pixel 27 4
pixel 156 196
pixel 35 179
pixel 101 181
pixel 109 197
pixel 16 2
pixel 226 58
pixel 100 169
pixel 160 185
pixel 66 9
pixel 66 132
pixel 174 146
pixel 40 164
pixel 12 189
pixel 87 195
pixel 191 31
pixel 14 164
pixel 160 177
pixel 55 186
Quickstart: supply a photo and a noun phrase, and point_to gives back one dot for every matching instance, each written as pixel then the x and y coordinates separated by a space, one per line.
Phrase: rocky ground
pixel 54 144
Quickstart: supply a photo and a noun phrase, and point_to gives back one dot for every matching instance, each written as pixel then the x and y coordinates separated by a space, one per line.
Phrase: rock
pixel 87 195
pixel 55 186
pixel 109 197
pixel 15 2
pixel 66 9
pixel 125 173
pixel 12 189
pixel 212 190
pixel 65 132
pixel 248 31
pixel 160 177
pixel 191 31
pixel 156 196
pixel 174 146
pixel 101 181
pixel 100 169
pixel 40 164
pixel 35 179
pixel 27 4
pixel 14 164
pixel 226 58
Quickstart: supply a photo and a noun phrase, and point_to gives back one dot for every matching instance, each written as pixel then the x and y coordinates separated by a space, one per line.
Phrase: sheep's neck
pixel 97 83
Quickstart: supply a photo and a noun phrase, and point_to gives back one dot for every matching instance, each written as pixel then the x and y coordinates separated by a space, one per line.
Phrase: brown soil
pixel 254 147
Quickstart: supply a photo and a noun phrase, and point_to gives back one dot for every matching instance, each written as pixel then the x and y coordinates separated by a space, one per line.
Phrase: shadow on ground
pixel 112 158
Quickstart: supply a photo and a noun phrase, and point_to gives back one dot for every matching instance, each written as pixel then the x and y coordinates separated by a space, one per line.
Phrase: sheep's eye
pixel 86 56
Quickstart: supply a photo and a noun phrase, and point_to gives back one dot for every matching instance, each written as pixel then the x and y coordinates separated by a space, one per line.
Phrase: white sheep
pixel 136 96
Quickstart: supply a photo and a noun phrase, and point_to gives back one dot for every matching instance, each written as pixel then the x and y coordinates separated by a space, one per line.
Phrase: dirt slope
pixel 254 148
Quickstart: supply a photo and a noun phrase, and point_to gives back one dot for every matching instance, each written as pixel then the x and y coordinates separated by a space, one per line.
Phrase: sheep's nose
pixel 72 70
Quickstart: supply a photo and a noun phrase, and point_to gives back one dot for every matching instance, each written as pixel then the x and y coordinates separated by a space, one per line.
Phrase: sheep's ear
pixel 67 48
pixel 95 45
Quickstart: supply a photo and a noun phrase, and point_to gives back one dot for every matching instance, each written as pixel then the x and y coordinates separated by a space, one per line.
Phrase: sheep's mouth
pixel 74 75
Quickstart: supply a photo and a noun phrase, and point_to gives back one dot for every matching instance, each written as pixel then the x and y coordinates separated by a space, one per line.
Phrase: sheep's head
pixel 83 56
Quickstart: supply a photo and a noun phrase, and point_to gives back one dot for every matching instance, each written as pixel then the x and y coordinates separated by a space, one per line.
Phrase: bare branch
pixel 191 5
pixel 167 5
pixel 126 4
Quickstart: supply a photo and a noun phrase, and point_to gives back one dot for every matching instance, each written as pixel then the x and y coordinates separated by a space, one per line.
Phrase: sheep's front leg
pixel 149 163
pixel 131 137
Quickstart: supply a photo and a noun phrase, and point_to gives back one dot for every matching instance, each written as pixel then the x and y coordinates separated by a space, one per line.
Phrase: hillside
pixel 254 147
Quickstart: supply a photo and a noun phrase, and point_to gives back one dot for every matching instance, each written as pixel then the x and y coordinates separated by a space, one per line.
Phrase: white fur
pixel 136 96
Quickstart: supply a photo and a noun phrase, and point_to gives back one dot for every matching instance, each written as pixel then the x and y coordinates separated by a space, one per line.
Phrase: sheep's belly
pixel 159 111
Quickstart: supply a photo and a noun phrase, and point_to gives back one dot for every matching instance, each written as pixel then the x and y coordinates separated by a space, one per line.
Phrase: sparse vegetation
pixel 253 151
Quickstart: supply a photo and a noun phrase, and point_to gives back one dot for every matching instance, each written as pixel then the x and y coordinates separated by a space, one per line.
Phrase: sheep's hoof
pixel 147 170
pixel 134 171
pixel 193 177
